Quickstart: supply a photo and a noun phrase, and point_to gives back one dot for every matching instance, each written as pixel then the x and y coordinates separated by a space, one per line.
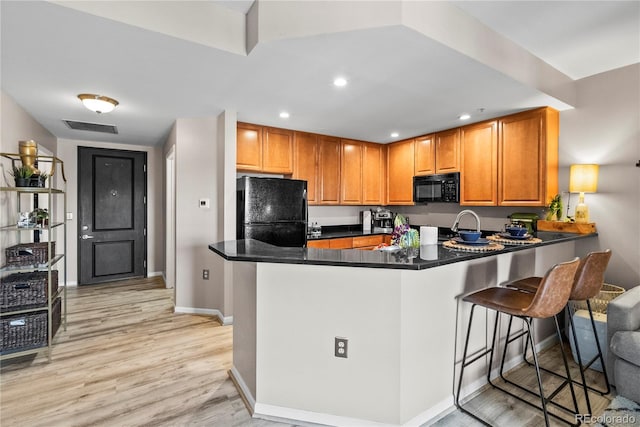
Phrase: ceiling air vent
pixel 92 127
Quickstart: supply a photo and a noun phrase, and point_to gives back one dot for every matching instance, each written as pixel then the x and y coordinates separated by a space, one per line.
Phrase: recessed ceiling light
pixel 284 115
pixel 340 82
pixel 464 117
pixel 394 134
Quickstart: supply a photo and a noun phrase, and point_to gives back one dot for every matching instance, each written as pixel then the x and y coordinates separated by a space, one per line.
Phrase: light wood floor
pixel 127 360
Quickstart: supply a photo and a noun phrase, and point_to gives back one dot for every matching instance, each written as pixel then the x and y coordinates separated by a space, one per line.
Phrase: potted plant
pixel 555 209
pixel 22 175
pixel 42 179
pixel 40 217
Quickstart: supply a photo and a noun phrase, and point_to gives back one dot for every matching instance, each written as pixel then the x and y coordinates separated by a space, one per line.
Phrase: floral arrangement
pixel 403 235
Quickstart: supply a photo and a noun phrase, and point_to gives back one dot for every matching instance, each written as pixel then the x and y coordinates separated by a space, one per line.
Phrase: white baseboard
pixel 72 284
pixel 244 389
pixel 308 418
pixel 225 320
pixel 155 273
pixel 433 414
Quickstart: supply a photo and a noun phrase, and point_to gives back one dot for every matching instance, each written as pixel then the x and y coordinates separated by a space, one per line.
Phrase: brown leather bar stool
pixel 587 283
pixel 549 299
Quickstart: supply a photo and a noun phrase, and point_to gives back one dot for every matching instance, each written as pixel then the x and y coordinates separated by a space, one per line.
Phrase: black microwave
pixel 437 188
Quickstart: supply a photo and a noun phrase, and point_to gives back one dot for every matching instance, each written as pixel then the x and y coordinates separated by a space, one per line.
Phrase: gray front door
pixel 112 215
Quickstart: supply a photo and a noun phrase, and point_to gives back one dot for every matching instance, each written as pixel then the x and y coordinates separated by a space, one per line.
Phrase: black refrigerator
pixel 272 210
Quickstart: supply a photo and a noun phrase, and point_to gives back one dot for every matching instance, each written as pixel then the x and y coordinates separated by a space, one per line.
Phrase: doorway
pixel 112 214
pixel 170 221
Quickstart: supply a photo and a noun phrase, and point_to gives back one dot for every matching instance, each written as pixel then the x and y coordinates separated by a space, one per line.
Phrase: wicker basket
pixel 28 331
pixel 600 302
pixel 30 253
pixel 27 290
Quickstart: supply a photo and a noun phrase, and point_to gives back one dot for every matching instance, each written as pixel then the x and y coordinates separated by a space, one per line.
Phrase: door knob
pixel 86 236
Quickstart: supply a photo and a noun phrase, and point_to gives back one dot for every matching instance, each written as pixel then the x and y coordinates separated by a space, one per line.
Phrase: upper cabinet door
pixel 425 155
pixel 249 147
pixel 328 170
pixel 277 151
pixel 448 151
pixel 305 164
pixel 528 158
pixel 351 173
pixel 400 173
pixel 479 161
pixel 373 174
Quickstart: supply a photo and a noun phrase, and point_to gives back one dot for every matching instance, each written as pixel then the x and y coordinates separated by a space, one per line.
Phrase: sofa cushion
pixel 626 345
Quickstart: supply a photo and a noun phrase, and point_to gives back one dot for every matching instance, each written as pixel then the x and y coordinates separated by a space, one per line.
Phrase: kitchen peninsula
pixel 401 314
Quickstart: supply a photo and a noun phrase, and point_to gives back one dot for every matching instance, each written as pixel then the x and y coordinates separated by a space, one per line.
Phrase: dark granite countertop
pixel 406 259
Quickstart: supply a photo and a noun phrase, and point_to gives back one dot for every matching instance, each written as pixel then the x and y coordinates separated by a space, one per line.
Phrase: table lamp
pixel 583 179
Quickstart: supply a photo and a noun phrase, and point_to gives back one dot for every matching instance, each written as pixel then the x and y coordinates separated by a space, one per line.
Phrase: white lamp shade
pixel 583 178
pixel 98 103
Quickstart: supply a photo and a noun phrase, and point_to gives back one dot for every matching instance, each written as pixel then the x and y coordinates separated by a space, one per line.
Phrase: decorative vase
pixel 29 154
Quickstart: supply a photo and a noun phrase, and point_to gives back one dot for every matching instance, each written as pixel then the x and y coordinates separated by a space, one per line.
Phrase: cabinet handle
pixel 86 236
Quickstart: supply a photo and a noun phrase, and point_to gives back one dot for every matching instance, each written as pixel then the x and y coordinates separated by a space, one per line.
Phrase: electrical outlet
pixel 205 274
pixel 341 347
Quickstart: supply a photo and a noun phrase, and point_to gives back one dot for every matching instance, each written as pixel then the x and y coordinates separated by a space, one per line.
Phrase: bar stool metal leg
pixel 582 367
pixel 549 399
pixel 465 363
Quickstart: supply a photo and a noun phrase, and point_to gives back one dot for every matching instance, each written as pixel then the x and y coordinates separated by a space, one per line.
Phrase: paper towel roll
pixel 429 252
pixel 428 235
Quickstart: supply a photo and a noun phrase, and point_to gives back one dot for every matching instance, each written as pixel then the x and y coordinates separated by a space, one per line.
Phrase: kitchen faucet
pixel 454 227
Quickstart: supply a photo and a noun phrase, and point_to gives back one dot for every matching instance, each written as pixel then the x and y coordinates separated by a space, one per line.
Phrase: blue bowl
pixel 516 231
pixel 469 236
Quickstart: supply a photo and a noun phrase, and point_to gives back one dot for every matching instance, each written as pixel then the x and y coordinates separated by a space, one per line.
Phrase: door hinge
pixel 144 263
pixel 144 199
pixel 144 231
pixel 144 168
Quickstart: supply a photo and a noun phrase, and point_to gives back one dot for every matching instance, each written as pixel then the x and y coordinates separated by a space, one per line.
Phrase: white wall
pixel 605 129
pixel 196 228
pixel 68 153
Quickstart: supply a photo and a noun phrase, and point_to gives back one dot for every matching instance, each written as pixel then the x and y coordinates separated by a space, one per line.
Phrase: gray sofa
pixel 623 336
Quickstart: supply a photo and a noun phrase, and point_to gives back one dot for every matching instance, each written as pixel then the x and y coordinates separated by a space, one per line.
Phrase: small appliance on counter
pixel 529 220
pixel 382 221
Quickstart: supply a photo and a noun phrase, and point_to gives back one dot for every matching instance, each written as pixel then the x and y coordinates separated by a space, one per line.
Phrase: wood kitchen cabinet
pixel 373 173
pixel 264 149
pixel 319 244
pixel 328 170
pixel 479 164
pixel 359 242
pixel 305 162
pixel 351 172
pixel 249 147
pixel 400 173
pixel 447 151
pixel 277 150
pixel 367 242
pixel 424 155
pixel 528 158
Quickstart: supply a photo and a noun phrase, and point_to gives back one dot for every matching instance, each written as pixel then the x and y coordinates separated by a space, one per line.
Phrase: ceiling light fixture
pixel 284 115
pixel 394 134
pixel 464 117
pixel 98 103
pixel 340 82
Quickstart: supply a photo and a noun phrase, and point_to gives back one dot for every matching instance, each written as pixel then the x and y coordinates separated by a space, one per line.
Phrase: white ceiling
pixel 400 80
